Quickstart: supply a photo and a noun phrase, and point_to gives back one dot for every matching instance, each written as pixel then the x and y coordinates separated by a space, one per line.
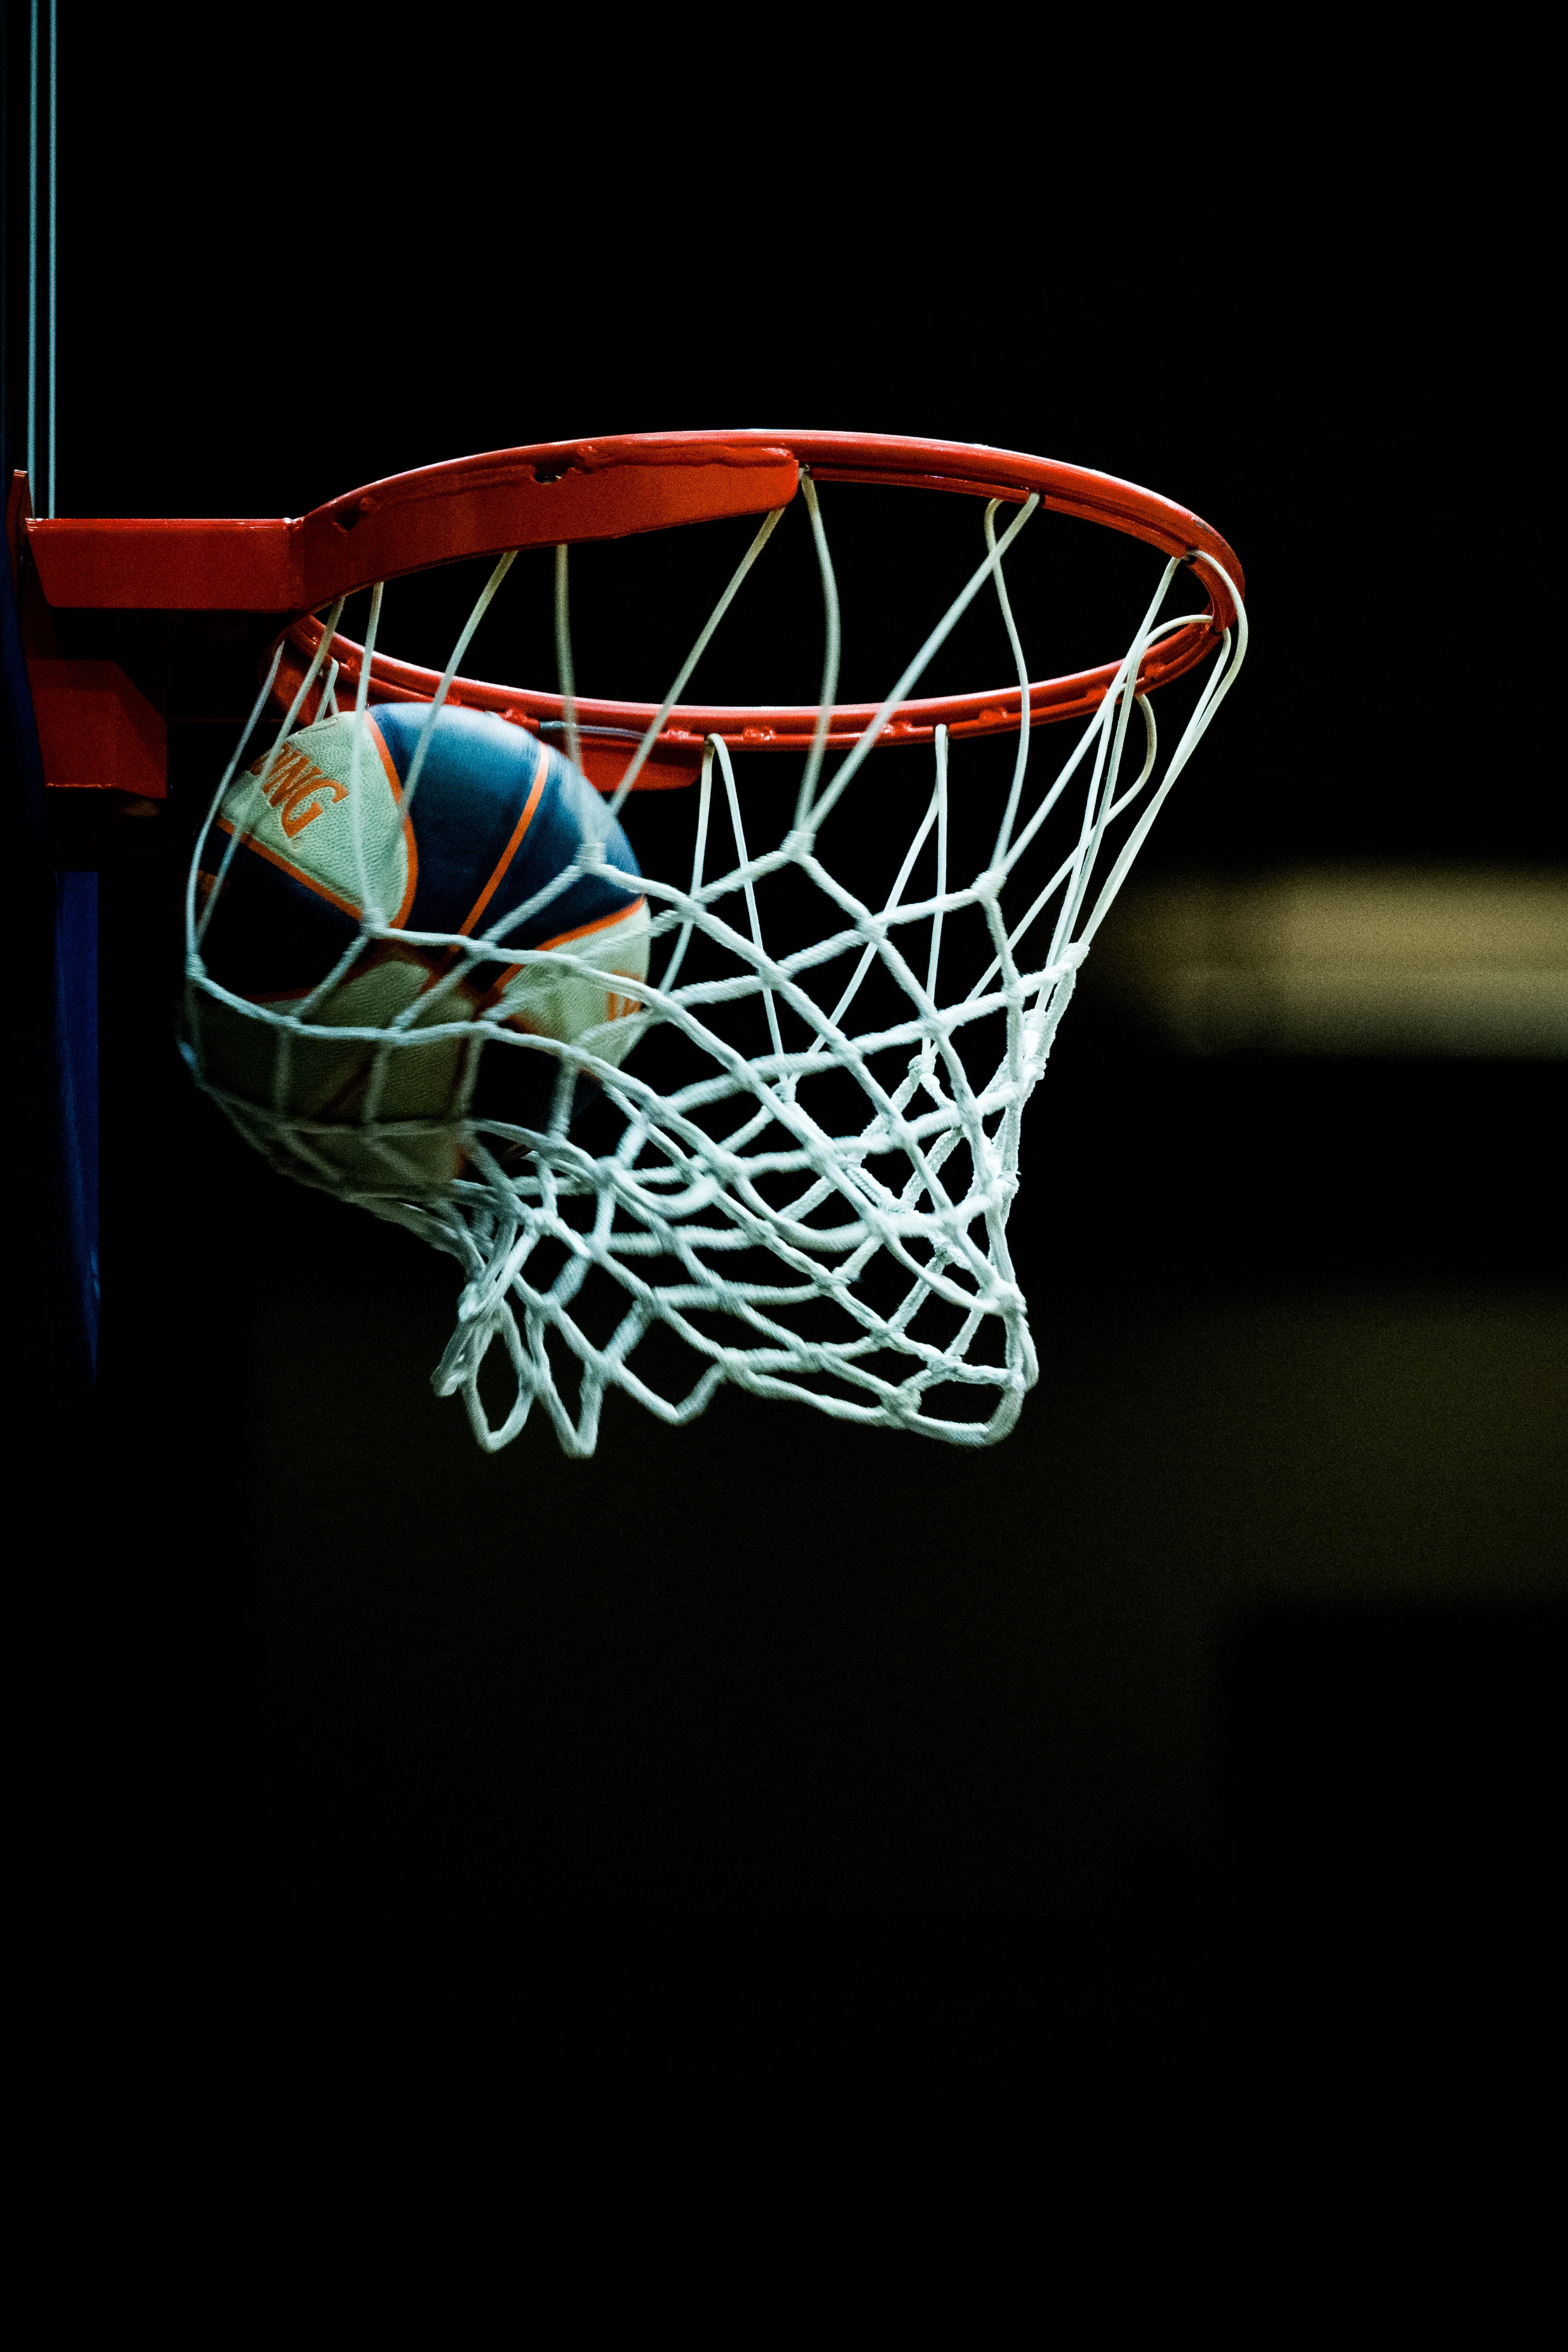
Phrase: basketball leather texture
pixel 496 817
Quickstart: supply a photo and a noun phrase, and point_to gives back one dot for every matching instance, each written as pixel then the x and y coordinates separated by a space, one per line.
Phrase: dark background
pixel 1196 1742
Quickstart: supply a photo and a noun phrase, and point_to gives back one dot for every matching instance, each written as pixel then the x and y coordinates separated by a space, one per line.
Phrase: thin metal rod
pixel 4 246
pixel 33 252
pixel 53 114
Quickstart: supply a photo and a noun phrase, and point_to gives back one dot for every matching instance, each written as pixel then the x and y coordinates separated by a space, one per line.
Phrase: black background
pixel 1191 1745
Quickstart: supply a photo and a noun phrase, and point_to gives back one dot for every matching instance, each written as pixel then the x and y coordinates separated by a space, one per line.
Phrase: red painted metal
pixel 98 682
pixel 557 492
pixel 180 566
pixel 97 729
pixel 612 730
pixel 564 492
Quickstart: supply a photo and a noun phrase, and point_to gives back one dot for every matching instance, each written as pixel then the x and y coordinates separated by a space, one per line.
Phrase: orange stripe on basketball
pixel 283 766
pixel 295 873
pixel 509 852
pixel 395 784
pixel 497 988
pixel 603 924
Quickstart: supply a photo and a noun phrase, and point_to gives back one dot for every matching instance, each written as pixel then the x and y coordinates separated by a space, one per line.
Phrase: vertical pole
pixel 53 81
pixel 4 246
pixel 33 253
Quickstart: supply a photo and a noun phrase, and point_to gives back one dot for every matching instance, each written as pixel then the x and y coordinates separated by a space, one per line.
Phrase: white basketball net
pixel 859 1266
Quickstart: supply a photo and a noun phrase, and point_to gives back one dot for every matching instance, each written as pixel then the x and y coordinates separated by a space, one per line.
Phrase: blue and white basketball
pixel 496 818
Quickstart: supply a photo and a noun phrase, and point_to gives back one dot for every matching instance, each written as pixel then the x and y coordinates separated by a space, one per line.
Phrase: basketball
pixel 323 832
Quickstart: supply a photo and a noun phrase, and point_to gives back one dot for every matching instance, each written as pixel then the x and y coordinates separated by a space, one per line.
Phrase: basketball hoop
pixel 814 1095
